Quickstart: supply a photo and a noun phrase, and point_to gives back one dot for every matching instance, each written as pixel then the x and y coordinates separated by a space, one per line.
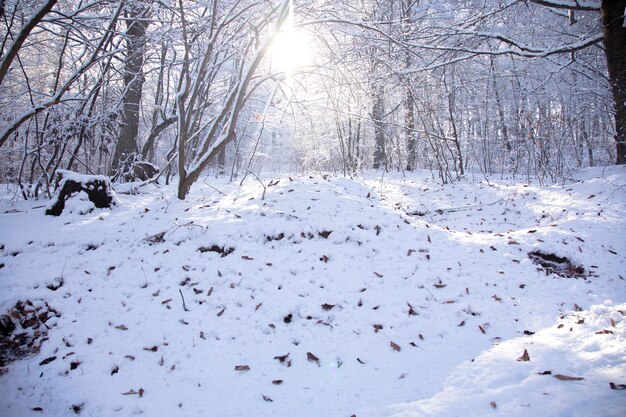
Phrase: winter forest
pixel 313 208
pixel 494 87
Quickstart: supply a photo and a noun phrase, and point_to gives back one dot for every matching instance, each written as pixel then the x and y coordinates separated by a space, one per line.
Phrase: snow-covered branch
pixel 579 5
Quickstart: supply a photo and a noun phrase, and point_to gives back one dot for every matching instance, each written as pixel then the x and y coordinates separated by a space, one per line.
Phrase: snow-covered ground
pixel 331 297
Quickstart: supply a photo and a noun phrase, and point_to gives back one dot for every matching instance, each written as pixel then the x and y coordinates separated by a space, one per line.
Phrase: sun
pixel 291 50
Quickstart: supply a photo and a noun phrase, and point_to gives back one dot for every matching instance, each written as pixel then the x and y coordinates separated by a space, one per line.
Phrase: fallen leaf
pixel 325 233
pixel 617 387
pixel 605 331
pixel 327 307
pixel 281 359
pixel 258 306
pixel 277 381
pixel 525 357
pixel 47 360
pixel 312 358
pixel 121 327
pixel 266 398
pixel 247 258
pixel 568 378
pixel 395 346
pixel 377 327
pixel 140 392
pixel 242 368
pixel 545 373
pixel 493 405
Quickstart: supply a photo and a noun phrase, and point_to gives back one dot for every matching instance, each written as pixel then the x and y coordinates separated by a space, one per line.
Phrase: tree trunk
pixel 378 110
pixel 133 84
pixel 615 42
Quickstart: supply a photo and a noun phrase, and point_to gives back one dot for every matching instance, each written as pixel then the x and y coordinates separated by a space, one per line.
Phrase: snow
pixel 419 301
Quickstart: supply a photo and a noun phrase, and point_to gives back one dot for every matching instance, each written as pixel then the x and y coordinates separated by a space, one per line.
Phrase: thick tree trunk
pixel 133 84
pixel 615 42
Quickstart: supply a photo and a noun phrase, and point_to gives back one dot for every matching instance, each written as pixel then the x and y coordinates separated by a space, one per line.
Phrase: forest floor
pixel 334 297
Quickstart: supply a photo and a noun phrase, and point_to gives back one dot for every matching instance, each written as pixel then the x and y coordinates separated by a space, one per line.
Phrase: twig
pixel 259 180
pixel 181 296
pixel 453 209
pixel 219 191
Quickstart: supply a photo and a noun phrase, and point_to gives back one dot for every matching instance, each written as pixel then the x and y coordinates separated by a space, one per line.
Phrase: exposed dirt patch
pixel 554 264
pixel 222 250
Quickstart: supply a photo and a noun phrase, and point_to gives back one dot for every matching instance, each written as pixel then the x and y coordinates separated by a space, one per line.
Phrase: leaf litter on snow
pixel 333 270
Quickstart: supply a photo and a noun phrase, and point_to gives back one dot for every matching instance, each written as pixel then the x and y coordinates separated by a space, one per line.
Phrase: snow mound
pixel 326 298
pixel 572 369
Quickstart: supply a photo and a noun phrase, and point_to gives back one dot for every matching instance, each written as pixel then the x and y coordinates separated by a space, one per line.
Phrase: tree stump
pixel 97 187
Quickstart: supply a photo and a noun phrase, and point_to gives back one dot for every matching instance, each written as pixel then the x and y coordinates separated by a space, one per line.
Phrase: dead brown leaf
pixel 395 346
pixel 312 358
pixel 281 359
pixel 242 368
pixel 525 357
pixel 47 360
pixel 568 378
